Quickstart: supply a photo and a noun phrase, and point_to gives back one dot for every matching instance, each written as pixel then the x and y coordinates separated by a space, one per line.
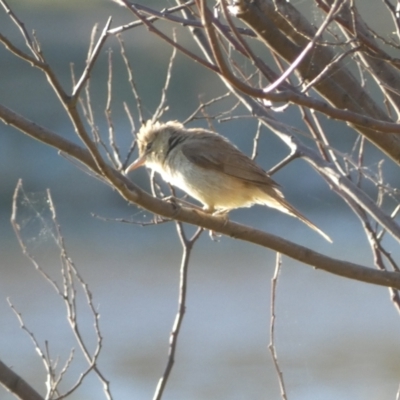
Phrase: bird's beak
pixel 136 164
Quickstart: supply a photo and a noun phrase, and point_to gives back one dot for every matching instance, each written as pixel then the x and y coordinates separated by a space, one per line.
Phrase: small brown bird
pixel 209 168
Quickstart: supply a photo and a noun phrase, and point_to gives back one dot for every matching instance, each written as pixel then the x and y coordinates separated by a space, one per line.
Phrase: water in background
pixel 335 338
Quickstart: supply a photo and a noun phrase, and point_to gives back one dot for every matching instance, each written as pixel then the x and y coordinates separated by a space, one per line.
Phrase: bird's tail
pixel 282 205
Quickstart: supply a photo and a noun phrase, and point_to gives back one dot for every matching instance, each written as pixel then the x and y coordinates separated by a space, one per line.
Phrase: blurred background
pixel 335 338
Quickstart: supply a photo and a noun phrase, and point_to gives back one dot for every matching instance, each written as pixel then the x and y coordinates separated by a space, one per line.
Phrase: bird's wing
pixel 215 153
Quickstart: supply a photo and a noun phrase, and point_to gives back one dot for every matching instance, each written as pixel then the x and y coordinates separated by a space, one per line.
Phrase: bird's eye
pixel 148 146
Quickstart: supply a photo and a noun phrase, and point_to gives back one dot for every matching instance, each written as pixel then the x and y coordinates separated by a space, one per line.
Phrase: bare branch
pixel 90 62
pixel 19 53
pixel 116 156
pixel 153 29
pixel 187 245
pixel 131 81
pixel 334 9
pixel 166 14
pixel 271 346
pixel 67 292
pixel 16 385
pixel 132 193
pixel 31 44
pixel 161 108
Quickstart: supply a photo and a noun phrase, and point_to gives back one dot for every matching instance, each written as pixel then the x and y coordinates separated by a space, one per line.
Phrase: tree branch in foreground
pixel 134 194
pixel 16 385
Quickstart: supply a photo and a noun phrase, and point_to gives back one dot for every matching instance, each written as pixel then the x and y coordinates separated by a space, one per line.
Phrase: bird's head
pixel 154 142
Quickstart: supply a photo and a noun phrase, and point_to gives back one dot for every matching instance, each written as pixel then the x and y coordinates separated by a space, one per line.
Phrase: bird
pixel 209 168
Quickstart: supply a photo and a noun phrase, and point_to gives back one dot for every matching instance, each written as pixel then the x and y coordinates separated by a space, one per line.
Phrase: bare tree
pixel 270 58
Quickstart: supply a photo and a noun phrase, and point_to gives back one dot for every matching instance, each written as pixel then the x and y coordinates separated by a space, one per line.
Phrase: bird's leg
pixel 214 236
pixel 222 213
pixel 173 199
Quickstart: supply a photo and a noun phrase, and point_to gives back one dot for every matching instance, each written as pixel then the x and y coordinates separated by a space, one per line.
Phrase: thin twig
pixel 271 346
pixel 378 251
pixel 116 159
pixel 91 61
pixel 255 141
pixel 21 26
pixel 325 72
pixel 204 105
pixel 161 108
pixel 187 245
pixel 46 362
pixel 17 230
pixel 132 83
pixel 69 273
pixel 328 19
pixel 160 34
pixel 166 14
